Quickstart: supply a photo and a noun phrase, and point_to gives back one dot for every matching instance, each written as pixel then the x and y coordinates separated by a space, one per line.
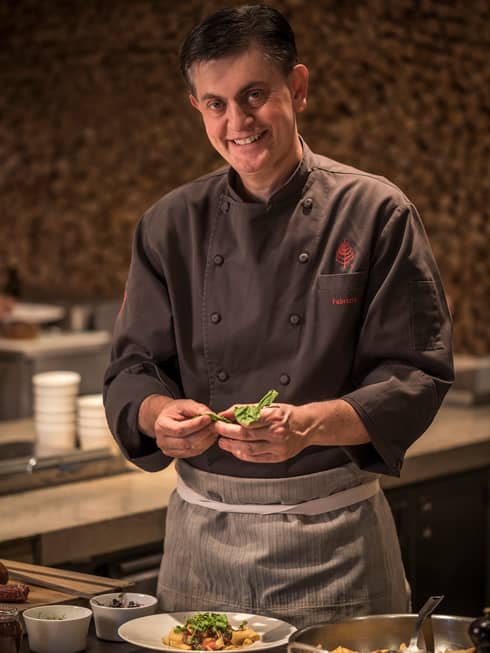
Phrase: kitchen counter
pixel 458 440
pixel 95 645
pixel 76 520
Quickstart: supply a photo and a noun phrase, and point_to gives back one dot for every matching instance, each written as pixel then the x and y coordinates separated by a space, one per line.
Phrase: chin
pixel 249 164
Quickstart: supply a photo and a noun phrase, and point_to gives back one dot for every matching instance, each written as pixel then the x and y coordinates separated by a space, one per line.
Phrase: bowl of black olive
pixel 114 609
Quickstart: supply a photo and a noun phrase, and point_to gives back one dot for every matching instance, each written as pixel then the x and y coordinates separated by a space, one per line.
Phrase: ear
pixel 298 83
pixel 194 102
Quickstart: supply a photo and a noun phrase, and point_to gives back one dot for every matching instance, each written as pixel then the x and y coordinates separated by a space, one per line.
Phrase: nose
pixel 239 118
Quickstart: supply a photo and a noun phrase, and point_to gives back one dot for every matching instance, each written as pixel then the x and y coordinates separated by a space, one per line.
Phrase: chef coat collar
pixel 291 189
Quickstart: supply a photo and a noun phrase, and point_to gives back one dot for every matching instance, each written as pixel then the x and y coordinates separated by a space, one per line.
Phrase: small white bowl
pixel 93 431
pixel 60 425
pixel 93 402
pixel 91 416
pixel 57 628
pixel 108 618
pixel 87 444
pixel 56 379
pixel 47 450
pixel 55 416
pixel 68 389
pixel 64 405
pixel 60 434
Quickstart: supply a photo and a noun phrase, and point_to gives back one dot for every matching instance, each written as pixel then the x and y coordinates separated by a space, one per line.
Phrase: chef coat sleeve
pixel 403 363
pixel 143 355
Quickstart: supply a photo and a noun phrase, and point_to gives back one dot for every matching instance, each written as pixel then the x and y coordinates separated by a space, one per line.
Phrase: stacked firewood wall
pixel 96 127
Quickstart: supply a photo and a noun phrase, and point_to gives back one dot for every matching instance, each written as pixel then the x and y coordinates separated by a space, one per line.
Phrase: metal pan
pixel 386 631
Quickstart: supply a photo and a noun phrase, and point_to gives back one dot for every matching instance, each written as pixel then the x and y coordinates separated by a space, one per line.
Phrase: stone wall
pixel 96 127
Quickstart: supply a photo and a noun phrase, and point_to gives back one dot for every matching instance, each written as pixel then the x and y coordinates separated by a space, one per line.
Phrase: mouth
pixel 249 140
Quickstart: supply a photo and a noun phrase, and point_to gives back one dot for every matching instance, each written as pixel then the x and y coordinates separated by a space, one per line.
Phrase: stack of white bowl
pixel 93 432
pixel 55 395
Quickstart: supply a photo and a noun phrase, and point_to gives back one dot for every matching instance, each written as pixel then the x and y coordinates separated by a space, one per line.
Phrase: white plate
pixel 148 632
pixel 35 313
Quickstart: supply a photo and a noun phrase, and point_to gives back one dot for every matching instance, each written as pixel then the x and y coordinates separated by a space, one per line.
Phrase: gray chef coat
pixel 328 290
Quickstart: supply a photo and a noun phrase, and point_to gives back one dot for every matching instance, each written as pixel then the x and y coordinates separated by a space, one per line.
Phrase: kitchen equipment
pixel 57 628
pixel 92 428
pixel 385 631
pixel 108 617
pixel 55 396
pixel 426 610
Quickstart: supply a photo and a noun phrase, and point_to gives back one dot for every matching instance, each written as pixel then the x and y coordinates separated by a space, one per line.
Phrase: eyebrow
pixel 242 91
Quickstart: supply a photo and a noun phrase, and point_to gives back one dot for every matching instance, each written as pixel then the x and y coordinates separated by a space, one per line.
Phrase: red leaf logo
pixel 345 255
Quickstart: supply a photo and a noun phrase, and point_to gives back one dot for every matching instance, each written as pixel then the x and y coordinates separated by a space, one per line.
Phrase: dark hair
pixel 232 30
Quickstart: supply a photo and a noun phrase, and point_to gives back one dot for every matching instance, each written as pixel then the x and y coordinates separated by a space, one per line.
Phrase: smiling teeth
pixel 247 141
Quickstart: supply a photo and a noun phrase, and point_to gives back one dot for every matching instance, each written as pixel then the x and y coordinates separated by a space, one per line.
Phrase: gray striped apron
pixel 304 569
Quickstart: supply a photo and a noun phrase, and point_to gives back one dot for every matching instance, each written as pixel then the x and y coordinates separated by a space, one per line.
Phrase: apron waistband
pixel 318 506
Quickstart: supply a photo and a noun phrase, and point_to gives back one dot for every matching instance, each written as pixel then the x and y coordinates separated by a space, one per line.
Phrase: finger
pixel 254 448
pixel 193 409
pixel 272 414
pixel 181 429
pixel 234 431
pixel 186 447
pixel 247 453
pixel 229 413
pixel 241 433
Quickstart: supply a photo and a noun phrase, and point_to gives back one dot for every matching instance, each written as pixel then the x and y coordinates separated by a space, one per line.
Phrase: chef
pixel 287 270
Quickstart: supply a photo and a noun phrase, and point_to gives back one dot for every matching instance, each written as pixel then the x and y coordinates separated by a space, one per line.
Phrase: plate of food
pixel 206 631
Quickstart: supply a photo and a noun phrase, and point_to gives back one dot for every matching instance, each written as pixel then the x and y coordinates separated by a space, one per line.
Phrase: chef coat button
pixel 304 257
pixel 294 319
pixel 307 204
pixel 215 318
pixel 225 206
pixel 284 379
pixel 222 376
pixel 218 259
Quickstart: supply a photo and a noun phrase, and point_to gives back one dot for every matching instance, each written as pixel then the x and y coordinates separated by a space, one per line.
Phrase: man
pixel 283 270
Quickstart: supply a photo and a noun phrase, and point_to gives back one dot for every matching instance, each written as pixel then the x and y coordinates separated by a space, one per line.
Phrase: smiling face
pixel 248 106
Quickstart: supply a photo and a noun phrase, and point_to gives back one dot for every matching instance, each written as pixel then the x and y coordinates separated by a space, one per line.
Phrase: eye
pixel 255 96
pixel 215 106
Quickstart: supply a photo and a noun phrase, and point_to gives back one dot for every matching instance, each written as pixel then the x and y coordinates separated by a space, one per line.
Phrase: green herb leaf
pixel 217 418
pixel 268 398
pixel 205 621
pixel 246 415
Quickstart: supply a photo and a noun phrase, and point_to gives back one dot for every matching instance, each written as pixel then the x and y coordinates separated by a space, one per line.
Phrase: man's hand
pixel 179 426
pixel 283 430
pixel 276 436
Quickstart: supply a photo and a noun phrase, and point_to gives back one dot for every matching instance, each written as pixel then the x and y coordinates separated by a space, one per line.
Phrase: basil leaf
pixel 217 418
pixel 246 415
pixel 268 398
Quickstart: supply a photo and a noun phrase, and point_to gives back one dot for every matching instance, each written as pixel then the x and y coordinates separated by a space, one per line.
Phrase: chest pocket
pixel 342 289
